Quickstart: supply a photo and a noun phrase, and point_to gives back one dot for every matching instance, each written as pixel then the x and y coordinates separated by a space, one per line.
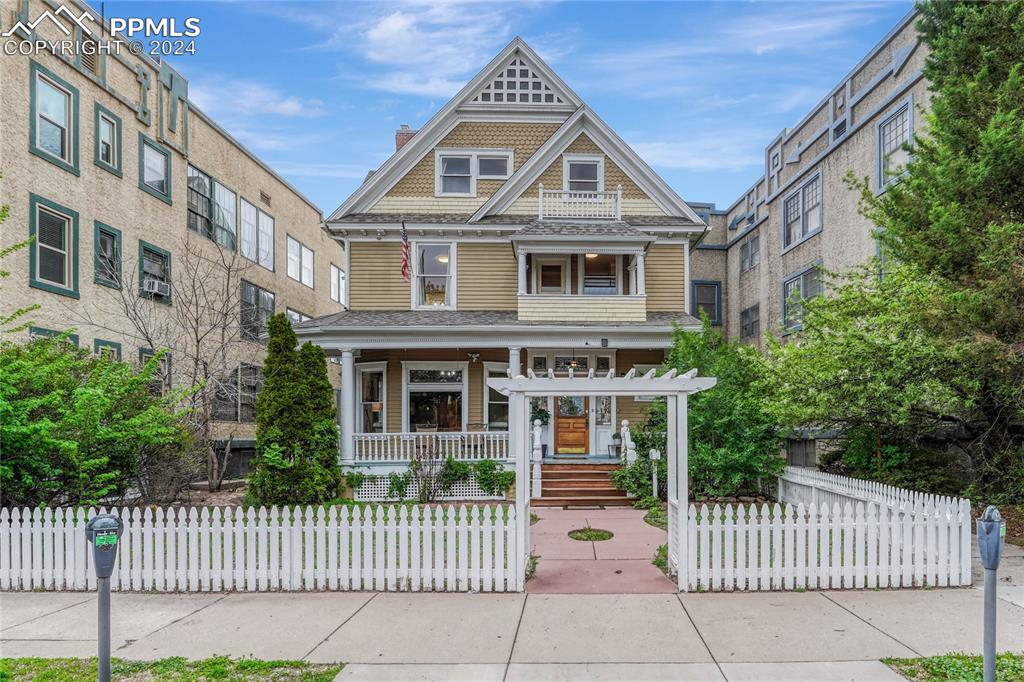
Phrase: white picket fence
pixel 348 548
pixel 800 484
pixel 866 545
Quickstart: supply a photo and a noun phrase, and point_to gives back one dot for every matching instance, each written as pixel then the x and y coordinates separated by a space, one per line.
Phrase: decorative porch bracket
pixel 674 387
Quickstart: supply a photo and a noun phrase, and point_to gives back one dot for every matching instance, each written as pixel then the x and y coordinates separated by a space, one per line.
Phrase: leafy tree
pixel 76 428
pixel 9 320
pixel 929 362
pixel 296 438
pixel 733 442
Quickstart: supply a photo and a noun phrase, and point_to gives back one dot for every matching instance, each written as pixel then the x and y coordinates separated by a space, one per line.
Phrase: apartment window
pixel 111 350
pixel 235 399
pixel 496 405
pixel 108 140
pixel 257 307
pixel 372 387
pixel 796 289
pixel 53 133
pixel 337 284
pixel 300 262
pixel 53 260
pixel 200 196
pixel 582 173
pixel 154 272
pixel 434 281
pixel 257 235
pixel 802 213
pixel 750 322
pixel 35 333
pixel 839 130
pixel 801 452
pixel 707 299
pixel 750 253
pixel 893 133
pixel 436 396
pixel 456 176
pixel 154 169
pixel 295 317
pixel 161 382
pixel 224 205
pixel 107 242
pixel 600 275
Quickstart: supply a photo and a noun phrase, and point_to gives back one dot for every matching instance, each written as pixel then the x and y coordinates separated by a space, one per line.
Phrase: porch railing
pixel 565 204
pixel 403 447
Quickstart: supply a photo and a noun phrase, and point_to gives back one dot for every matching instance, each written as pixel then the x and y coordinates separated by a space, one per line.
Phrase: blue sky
pixel 317 89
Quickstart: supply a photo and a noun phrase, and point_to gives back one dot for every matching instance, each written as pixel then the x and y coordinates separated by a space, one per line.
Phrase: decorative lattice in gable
pixel 518 83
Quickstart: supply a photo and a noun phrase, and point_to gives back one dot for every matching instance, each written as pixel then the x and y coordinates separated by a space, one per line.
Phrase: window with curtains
pixel 372 413
pixel 53 247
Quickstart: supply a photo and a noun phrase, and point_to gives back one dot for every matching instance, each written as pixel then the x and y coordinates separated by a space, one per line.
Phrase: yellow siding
pixel 576 308
pixel 665 278
pixel 375 279
pixel 628 408
pixel 487 277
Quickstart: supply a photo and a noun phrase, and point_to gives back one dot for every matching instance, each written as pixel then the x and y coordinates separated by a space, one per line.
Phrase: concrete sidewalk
pixel 385 636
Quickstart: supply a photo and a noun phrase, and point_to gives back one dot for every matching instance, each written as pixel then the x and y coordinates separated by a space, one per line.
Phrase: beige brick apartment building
pixel 125 186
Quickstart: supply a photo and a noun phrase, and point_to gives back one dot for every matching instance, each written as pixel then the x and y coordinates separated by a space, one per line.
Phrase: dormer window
pixel 583 173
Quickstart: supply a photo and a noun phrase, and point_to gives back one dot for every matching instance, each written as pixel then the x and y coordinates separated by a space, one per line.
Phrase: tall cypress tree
pixel 296 440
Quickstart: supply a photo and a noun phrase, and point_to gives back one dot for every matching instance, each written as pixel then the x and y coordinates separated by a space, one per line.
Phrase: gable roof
pixel 446 118
pixel 586 121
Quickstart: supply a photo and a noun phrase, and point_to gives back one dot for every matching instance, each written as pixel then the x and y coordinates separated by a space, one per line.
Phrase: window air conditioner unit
pixel 156 287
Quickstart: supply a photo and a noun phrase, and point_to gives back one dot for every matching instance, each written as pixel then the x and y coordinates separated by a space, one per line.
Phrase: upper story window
pixel 54 119
pixel 295 317
pixel 108 140
pixel 801 213
pixel 707 298
pixel 225 211
pixel 750 322
pixel 257 235
pixel 457 170
pixel 53 263
pixel 600 275
pixel 433 281
pixel 797 288
pixel 750 253
pixel 154 169
pixel 108 256
pixel 337 284
pixel 257 307
pixel 161 382
pixel 200 195
pixel 583 173
pixel 154 272
pixel 893 134
pixel 300 262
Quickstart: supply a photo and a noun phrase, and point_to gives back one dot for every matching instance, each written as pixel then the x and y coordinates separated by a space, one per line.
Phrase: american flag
pixel 406 274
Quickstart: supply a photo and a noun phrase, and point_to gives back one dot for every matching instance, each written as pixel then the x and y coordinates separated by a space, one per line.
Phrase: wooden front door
pixel 571 427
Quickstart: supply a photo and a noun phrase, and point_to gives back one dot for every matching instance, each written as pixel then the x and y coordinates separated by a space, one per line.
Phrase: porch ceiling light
pixel 591 255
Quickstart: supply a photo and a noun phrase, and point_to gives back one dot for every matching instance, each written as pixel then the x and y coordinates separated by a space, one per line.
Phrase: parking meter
pixel 104 532
pixel 991 531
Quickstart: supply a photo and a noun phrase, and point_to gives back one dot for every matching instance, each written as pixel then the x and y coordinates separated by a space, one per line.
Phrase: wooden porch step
pixel 603 491
pixel 581 466
pixel 574 475
pixel 590 501
pixel 576 483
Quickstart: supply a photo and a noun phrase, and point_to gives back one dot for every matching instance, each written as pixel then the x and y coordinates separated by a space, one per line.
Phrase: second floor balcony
pixel 566 204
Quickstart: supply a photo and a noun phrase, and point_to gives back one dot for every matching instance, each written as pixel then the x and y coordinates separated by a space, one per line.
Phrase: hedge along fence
pixel 797 547
pixel 287 549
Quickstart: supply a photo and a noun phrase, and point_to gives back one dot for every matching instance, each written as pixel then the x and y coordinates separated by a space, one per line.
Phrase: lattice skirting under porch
pixel 376 490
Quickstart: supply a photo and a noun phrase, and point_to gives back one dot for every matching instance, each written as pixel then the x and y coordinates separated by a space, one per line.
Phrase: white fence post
pixel 538 458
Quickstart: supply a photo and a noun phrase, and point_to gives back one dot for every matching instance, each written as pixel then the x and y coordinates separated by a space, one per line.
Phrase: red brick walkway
pixel 621 565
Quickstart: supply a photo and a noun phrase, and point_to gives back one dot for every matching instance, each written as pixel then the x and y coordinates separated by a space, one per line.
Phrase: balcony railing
pixel 556 204
pixel 403 447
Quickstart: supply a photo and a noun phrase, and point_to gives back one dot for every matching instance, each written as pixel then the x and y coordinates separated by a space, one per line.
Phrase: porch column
pixel 514 361
pixel 348 406
pixel 641 278
pixel 522 272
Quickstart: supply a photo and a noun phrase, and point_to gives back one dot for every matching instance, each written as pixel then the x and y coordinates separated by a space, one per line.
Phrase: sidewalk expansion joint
pixel 701 635
pixel 343 623
pixel 872 625
pixel 174 622
pixel 515 637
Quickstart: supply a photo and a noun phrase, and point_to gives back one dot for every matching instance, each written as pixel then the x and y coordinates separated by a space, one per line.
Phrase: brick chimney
pixel 403 135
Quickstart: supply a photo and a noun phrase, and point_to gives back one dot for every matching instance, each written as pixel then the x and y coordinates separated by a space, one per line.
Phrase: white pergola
pixel 674 387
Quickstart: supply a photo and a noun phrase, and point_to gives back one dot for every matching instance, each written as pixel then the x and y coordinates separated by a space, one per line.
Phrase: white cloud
pixel 219 96
pixel 731 149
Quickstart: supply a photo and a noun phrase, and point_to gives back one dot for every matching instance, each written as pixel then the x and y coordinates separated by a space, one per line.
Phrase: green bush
pixel 296 436
pixel 76 428
pixel 492 477
pixel 734 444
